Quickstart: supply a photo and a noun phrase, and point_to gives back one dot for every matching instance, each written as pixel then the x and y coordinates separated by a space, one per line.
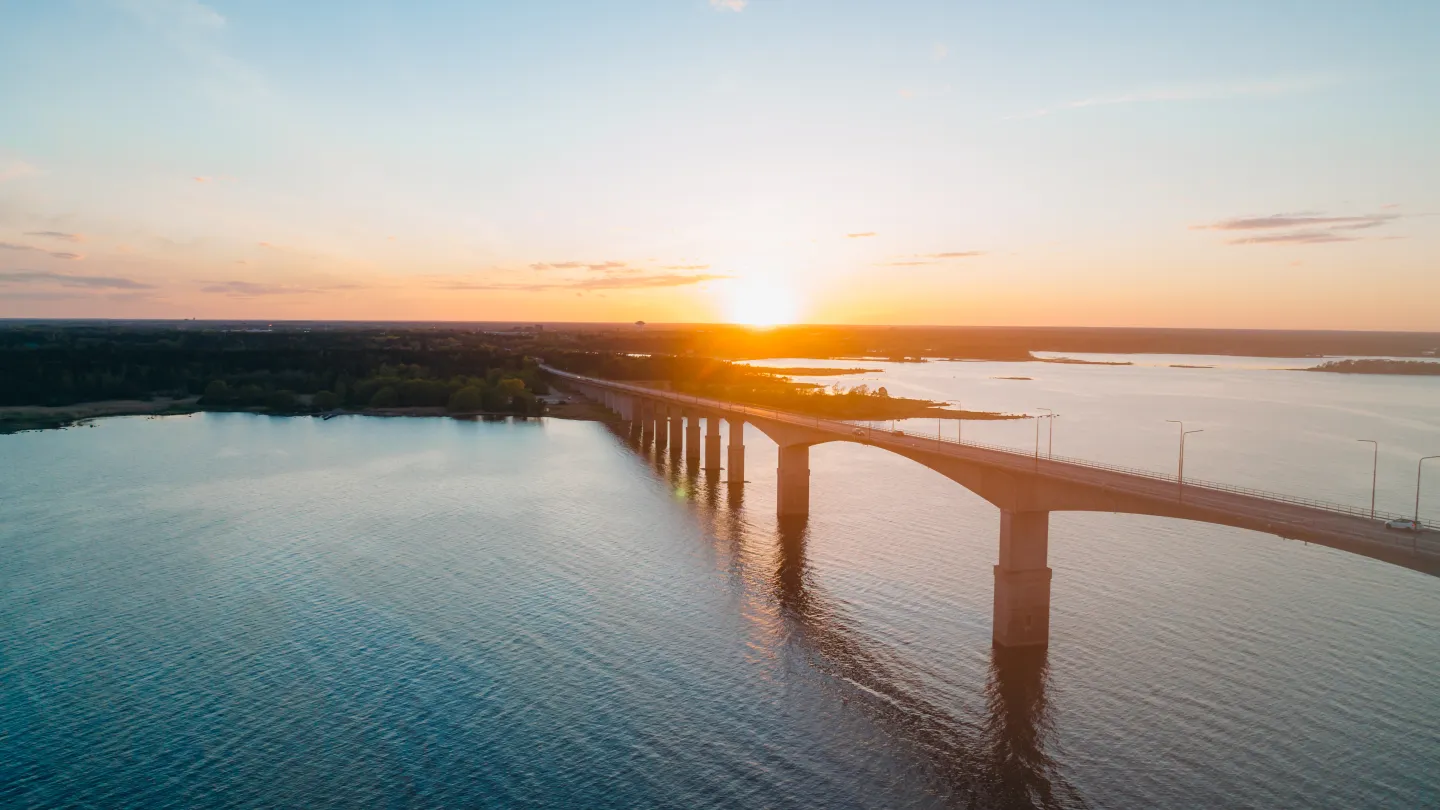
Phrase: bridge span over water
pixel 1025 487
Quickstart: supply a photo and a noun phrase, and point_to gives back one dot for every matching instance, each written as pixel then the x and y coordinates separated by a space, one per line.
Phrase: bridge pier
pixel 662 425
pixel 792 481
pixel 735 455
pixel 692 439
pixel 712 444
pixel 1022 580
pixel 677 430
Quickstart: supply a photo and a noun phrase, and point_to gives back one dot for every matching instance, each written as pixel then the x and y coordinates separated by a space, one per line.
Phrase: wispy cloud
pixel 47 278
pixel 15 169
pixel 917 259
pixel 861 235
pixel 688 267
pixel 614 282
pixel 1295 238
pixel 939 51
pixel 729 5
pixel 250 289
pixel 1303 228
pixel 1193 92
pixel 61 235
pixel 57 255
pixel 599 267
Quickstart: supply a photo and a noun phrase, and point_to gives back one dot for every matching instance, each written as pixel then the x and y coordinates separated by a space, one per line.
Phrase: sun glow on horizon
pixel 760 302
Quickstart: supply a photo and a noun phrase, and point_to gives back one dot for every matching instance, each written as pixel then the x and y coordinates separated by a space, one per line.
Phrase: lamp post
pixel 1418 467
pixel 1374 473
pixel 1180 476
pixel 1050 430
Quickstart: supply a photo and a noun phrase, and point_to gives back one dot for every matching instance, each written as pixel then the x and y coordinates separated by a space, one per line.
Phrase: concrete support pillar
pixel 677 429
pixel 692 438
pixel 1022 580
pixel 712 444
pixel 662 426
pixel 792 481
pixel 735 457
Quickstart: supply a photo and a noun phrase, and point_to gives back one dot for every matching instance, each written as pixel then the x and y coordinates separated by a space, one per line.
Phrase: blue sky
pixel 1197 164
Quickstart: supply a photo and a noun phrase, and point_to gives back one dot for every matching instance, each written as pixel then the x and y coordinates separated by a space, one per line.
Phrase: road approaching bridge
pixel 1025 487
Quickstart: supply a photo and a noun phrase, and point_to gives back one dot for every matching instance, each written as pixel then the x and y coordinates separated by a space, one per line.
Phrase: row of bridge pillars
pixel 1022 577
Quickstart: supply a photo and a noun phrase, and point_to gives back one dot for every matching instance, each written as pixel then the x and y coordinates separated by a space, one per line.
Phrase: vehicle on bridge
pixel 1405 525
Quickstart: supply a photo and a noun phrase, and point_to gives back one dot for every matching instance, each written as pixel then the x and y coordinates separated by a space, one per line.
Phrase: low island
pixel 1409 368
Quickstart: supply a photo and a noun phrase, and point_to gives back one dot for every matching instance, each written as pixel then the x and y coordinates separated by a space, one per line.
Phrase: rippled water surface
pixel 243 611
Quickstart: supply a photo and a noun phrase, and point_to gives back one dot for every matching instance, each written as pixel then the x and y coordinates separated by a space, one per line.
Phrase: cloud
pixel 250 289
pixel 202 179
pixel 46 277
pixel 859 235
pixel 62 236
pixel 1294 238
pixel 687 267
pixel 16 169
pixel 1303 220
pixel 620 282
pixel 1304 228
pixel 180 13
pixel 917 259
pixel 729 5
pixel 599 267
pixel 1194 92
pixel 60 255
pixel 939 51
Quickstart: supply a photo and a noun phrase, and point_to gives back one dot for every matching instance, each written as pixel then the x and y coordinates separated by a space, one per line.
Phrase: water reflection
pixel 996 760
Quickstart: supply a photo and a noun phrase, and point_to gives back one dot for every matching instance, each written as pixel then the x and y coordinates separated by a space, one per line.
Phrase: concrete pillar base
pixel 1022 580
pixel 712 444
pixel 1022 608
pixel 793 481
pixel 692 439
pixel 735 454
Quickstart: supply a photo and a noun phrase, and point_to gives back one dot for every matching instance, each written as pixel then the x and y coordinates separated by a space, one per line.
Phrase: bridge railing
pixel 1015 455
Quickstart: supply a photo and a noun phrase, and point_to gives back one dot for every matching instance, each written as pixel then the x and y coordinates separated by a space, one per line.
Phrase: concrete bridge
pixel 1026 488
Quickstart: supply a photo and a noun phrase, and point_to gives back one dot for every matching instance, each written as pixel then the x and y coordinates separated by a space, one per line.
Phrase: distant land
pixel 1410 368
pixel 1014 343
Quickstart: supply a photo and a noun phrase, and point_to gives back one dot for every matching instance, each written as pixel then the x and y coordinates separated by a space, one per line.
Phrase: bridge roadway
pixel 1025 487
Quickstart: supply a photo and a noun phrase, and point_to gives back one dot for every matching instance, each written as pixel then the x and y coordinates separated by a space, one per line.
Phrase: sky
pixel 1191 164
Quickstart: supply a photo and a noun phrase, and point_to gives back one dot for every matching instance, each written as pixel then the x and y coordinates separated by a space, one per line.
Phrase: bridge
pixel 1026 488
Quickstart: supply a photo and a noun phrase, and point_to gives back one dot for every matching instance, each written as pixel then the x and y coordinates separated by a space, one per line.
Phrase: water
pixel 243 611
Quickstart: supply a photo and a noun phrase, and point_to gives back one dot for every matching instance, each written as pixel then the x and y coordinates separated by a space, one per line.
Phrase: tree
pixel 325 401
pixel 216 392
pixel 386 397
pixel 469 399
pixel 281 401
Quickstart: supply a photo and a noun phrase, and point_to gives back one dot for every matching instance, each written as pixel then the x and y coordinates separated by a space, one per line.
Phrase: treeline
pixel 283 370
pixel 1376 365
pixel 734 382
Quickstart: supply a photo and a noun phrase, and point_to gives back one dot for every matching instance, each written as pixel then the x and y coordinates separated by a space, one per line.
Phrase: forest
pixel 281 370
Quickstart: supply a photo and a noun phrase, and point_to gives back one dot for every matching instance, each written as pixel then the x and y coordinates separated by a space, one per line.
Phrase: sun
pixel 760 302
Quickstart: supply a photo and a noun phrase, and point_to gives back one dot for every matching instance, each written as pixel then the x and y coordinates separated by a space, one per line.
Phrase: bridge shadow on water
pixel 995 760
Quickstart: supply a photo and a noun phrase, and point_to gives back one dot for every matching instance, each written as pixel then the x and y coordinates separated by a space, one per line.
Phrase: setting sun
pixel 760 302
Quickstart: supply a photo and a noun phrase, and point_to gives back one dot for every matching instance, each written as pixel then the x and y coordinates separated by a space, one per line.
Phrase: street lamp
pixel 1374 473
pixel 1418 467
pixel 1050 449
pixel 1180 477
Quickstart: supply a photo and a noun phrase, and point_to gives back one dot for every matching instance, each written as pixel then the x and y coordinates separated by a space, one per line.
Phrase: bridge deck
pixel 1335 525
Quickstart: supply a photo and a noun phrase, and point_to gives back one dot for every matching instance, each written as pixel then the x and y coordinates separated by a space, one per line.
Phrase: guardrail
pixel 1014 456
